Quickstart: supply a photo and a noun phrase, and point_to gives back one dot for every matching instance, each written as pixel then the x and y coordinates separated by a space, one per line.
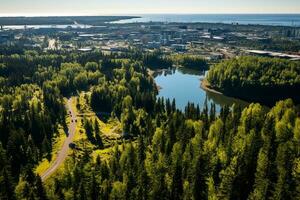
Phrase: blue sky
pixel 107 7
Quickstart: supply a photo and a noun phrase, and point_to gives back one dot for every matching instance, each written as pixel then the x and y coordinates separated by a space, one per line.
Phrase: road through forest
pixel 63 153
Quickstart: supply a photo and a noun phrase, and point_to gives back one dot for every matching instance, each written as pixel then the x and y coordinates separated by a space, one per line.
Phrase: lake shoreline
pixel 206 86
pixel 190 87
pixel 151 73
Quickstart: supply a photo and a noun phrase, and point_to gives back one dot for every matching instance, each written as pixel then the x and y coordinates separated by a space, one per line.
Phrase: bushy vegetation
pixel 191 62
pixel 33 85
pixel 257 78
pixel 249 154
pixel 164 153
pixel 156 60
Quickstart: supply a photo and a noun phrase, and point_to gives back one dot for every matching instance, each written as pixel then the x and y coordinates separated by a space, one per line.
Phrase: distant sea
pixel 260 19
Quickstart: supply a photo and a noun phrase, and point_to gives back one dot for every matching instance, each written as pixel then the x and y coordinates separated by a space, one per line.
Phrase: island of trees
pixel 259 79
pixel 162 153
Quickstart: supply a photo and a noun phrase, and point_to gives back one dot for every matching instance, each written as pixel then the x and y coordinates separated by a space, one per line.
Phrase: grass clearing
pixel 110 131
pixel 104 154
pixel 57 143
pixel 110 134
pixel 42 167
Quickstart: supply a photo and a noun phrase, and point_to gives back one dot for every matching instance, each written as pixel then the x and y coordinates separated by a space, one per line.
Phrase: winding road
pixel 63 153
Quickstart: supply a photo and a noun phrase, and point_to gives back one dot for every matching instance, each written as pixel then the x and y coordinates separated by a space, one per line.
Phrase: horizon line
pixel 139 14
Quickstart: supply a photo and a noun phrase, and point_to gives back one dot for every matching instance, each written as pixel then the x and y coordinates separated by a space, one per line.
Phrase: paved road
pixel 63 153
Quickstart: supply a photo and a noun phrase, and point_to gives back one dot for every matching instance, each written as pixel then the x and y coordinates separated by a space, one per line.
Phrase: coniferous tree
pixel 6 186
pixel 200 189
pixel 39 189
pixel 94 189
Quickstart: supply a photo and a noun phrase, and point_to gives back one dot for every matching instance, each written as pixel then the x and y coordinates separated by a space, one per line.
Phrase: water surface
pixel 261 19
pixel 184 86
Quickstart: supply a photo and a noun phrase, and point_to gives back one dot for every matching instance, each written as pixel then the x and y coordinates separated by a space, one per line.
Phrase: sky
pixel 121 7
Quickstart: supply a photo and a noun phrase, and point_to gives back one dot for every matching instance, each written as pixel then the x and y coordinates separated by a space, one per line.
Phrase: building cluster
pixel 211 42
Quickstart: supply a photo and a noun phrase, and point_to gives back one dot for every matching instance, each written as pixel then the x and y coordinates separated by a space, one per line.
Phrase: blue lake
pixel 184 86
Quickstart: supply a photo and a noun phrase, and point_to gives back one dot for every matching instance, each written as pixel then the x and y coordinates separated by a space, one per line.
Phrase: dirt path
pixel 63 153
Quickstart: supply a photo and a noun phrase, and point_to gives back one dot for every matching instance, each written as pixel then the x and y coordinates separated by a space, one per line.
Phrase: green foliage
pixel 155 60
pixel 192 62
pixel 165 153
pixel 251 161
pixel 256 78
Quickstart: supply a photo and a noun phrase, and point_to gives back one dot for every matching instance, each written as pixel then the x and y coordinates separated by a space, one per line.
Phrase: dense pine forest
pixel 162 152
pixel 245 154
pixel 257 78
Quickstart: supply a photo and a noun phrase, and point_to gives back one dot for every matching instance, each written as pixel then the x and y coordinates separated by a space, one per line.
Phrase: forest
pixel 192 62
pixel 245 154
pixel 163 153
pixel 259 79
